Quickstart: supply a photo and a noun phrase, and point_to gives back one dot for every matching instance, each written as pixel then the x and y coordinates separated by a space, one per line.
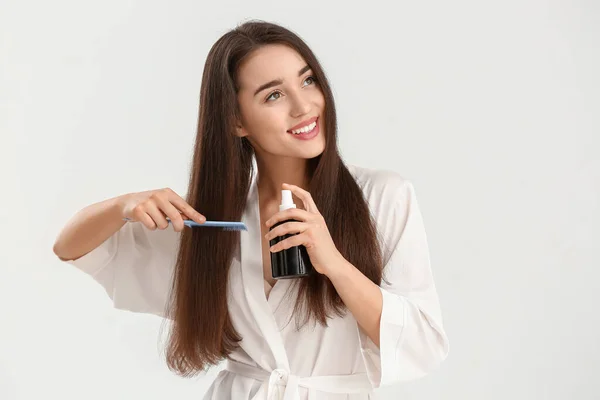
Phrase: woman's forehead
pixel 268 63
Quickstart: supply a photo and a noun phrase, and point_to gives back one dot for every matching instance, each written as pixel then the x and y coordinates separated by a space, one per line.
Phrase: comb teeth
pixel 231 228
pixel 226 225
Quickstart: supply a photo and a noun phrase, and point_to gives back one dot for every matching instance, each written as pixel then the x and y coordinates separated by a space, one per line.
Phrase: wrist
pixel 120 205
pixel 338 268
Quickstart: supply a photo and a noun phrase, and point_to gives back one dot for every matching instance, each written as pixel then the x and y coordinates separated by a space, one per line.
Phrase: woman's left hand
pixel 311 232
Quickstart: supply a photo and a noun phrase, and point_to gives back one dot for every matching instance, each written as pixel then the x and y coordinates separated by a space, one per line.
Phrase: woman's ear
pixel 239 130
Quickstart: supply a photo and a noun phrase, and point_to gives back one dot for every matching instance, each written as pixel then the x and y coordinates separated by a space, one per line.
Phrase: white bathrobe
pixel 275 360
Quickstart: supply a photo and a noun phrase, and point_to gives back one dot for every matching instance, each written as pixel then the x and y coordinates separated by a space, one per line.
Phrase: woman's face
pixel 281 104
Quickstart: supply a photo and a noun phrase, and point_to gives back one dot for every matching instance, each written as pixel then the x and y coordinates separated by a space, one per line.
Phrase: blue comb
pixel 226 225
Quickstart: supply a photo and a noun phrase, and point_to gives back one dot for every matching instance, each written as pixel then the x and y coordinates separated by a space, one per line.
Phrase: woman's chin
pixel 313 149
pixel 311 153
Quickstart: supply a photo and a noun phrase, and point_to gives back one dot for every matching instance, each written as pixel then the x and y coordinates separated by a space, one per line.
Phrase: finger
pixel 307 200
pixel 290 213
pixel 173 214
pixel 140 215
pixel 287 228
pixel 186 209
pixel 292 241
pixel 157 215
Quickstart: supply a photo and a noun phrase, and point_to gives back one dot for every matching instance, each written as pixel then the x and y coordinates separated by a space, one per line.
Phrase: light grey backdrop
pixel 490 108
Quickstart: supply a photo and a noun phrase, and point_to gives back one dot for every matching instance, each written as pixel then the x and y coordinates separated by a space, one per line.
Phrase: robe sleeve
pixel 135 267
pixel 99 263
pixel 412 338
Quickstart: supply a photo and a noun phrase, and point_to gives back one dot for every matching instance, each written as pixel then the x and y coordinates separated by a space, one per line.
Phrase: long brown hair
pixel 202 333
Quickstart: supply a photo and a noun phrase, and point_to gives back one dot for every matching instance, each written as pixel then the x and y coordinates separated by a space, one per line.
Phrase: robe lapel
pixel 253 279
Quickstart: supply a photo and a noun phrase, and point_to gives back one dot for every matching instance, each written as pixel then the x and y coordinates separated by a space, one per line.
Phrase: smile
pixel 306 130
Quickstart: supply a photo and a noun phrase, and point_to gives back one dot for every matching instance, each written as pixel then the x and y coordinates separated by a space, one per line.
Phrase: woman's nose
pixel 300 106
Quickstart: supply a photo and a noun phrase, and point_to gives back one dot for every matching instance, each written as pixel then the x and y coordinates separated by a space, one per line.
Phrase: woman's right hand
pixel 153 207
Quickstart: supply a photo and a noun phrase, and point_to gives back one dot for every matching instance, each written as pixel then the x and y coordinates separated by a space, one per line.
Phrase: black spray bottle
pixel 293 262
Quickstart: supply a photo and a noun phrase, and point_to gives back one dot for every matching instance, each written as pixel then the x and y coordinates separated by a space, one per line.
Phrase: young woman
pixel 368 315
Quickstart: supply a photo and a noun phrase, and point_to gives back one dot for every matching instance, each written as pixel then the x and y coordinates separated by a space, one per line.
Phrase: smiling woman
pixel 292 103
pixel 368 316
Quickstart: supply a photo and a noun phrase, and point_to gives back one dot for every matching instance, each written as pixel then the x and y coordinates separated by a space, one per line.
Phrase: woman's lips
pixel 303 124
pixel 310 134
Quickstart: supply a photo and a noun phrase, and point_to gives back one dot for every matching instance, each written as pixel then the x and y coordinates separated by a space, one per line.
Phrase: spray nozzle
pixel 286 200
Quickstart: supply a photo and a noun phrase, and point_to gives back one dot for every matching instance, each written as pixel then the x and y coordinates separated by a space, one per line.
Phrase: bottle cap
pixel 286 200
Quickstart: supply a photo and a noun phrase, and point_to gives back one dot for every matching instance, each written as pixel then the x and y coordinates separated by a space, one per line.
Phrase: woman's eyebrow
pixel 276 82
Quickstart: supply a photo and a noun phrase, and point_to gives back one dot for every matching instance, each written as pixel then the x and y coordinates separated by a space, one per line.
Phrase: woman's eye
pixel 310 79
pixel 272 96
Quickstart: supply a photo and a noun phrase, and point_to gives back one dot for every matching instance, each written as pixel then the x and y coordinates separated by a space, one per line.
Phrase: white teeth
pixel 306 129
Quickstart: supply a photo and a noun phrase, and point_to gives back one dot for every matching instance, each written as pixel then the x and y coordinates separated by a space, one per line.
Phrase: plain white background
pixel 490 108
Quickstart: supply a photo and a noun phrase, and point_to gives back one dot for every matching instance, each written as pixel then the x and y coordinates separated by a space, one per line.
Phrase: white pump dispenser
pixel 286 200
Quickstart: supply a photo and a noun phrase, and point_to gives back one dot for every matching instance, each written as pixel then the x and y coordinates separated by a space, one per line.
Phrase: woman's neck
pixel 274 171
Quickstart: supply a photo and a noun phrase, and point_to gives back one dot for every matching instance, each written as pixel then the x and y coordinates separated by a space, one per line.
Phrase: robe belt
pixel 280 384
